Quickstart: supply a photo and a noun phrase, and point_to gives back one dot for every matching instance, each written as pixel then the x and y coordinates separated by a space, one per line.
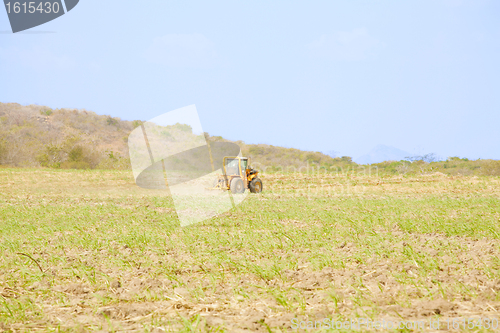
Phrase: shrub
pixel 111 121
pixel 3 149
pixel 76 154
pixel 183 127
pixel 491 168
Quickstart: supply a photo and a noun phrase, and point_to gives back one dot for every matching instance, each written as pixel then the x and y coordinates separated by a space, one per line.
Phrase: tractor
pixel 238 176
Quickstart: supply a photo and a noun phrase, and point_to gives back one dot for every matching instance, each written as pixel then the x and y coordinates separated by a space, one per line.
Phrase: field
pixel 88 250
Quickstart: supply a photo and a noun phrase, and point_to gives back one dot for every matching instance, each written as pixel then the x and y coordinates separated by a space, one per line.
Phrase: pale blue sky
pixel 422 76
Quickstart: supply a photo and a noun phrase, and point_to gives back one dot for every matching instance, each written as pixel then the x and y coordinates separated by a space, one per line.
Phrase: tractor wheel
pixel 237 185
pixel 255 185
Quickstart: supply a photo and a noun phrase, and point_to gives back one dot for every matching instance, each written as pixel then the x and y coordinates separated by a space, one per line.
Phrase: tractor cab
pixel 235 166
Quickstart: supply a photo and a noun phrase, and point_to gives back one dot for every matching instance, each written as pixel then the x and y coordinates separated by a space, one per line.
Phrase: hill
pixel 34 135
pixel 382 153
pixel 38 136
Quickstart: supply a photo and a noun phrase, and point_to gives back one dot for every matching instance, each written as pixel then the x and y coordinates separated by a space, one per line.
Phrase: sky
pixel 330 76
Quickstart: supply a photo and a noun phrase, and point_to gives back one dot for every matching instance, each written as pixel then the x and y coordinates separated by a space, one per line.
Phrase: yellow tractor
pixel 238 176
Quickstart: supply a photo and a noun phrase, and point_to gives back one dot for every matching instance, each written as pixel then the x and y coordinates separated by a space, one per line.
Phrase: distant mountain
pixel 382 153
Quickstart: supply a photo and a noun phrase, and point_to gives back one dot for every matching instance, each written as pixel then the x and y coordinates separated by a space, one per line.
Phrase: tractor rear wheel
pixel 255 185
pixel 237 185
